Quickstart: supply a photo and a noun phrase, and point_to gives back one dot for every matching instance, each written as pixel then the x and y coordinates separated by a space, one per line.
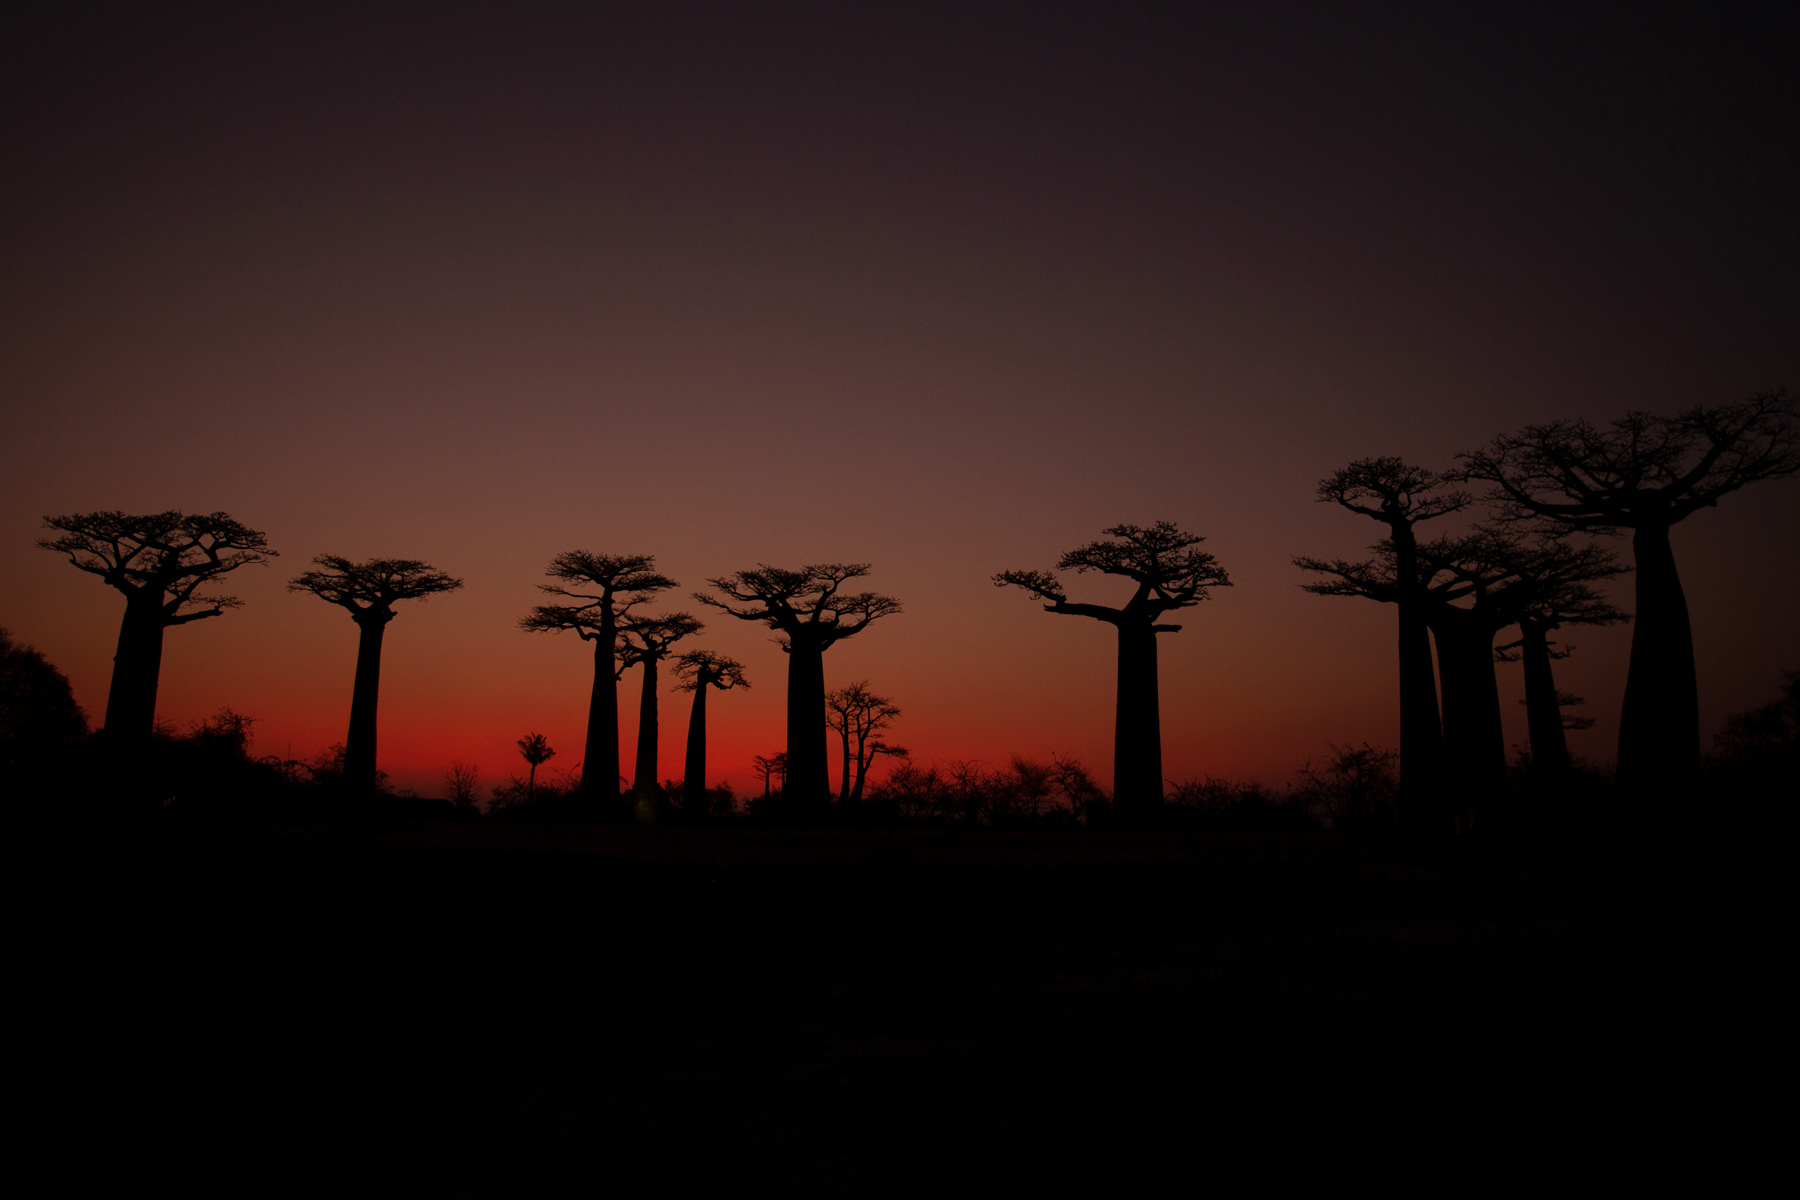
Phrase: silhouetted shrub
pixel 41 726
pixel 1235 806
pixel 1355 789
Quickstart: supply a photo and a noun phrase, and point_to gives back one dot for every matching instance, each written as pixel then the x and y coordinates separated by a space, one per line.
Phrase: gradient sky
pixel 947 290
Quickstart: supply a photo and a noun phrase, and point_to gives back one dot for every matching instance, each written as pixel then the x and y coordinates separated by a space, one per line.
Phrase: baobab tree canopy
pixel 1391 491
pixel 811 611
pixel 160 563
pixel 1170 575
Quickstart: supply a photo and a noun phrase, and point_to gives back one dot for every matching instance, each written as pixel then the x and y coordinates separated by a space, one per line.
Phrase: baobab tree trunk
pixel 643 781
pixel 844 775
pixel 600 757
pixel 1421 734
pixel 808 778
pixel 137 666
pixel 1549 748
pixel 1474 738
pixel 1659 727
pixel 359 746
pixel 693 778
pixel 1137 731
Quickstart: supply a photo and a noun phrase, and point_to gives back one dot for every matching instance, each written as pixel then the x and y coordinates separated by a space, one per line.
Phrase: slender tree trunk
pixel 1421 735
pixel 1549 748
pixel 600 757
pixel 1137 731
pixel 137 666
pixel 531 784
pixel 359 746
pixel 693 780
pixel 863 759
pixel 1659 727
pixel 1474 738
pixel 844 774
pixel 807 784
pixel 643 780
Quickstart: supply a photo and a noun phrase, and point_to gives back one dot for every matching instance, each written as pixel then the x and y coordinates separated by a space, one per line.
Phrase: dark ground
pixel 488 1010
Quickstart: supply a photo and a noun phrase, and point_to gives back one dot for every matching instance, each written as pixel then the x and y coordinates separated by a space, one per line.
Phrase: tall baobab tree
pixel 811 612
pixel 159 563
pixel 535 749
pixel 368 591
pixel 1169 575
pixel 699 672
pixel 858 715
pixel 1400 496
pixel 646 642
pixel 1646 473
pixel 608 587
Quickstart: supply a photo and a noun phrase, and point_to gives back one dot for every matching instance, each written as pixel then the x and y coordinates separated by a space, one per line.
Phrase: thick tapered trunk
pixel 808 781
pixel 131 700
pixel 359 746
pixel 1659 727
pixel 600 756
pixel 1137 730
pixel 693 778
pixel 1543 716
pixel 1421 734
pixel 1474 738
pixel 643 776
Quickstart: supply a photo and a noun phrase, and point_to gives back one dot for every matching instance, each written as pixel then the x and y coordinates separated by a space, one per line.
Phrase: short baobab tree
pixel 607 587
pixel 768 768
pixel 159 563
pixel 858 716
pixel 368 591
pixel 699 672
pixel 646 642
pixel 812 613
pixel 1646 473
pixel 1168 574
pixel 1401 496
pixel 536 751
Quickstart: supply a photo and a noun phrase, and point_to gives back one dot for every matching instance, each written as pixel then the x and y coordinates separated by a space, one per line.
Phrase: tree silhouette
pixel 1170 575
pixel 369 591
pixel 39 719
pixel 809 610
pixel 1646 473
pixel 646 643
pixel 608 587
pixel 535 748
pixel 767 767
pixel 1552 590
pixel 858 715
pixel 1400 496
pixel 699 671
pixel 159 563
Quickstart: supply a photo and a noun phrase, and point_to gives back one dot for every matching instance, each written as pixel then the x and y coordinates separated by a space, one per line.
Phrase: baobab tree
pixel 1646 473
pixel 608 587
pixel 159 563
pixel 699 672
pixel 535 749
pixel 1400 496
pixel 368 591
pixel 767 767
pixel 1169 575
pixel 812 614
pixel 646 642
pixel 857 716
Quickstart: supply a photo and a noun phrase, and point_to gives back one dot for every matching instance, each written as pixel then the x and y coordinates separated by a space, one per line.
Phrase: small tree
pixel 39 719
pixel 368 591
pixel 159 563
pixel 700 671
pixel 857 716
pixel 463 782
pixel 608 587
pixel 647 642
pixel 1646 473
pixel 535 749
pixel 811 612
pixel 1169 575
pixel 768 768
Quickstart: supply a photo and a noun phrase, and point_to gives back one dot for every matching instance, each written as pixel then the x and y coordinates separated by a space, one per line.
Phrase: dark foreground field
pixel 515 1011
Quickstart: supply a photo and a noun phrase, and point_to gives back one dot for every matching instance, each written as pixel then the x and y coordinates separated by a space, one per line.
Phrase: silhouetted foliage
pixel 463 783
pixel 368 591
pixel 647 641
pixel 1756 760
pixel 41 726
pixel 158 563
pixel 536 751
pixel 1356 789
pixel 700 671
pixel 1170 575
pixel 769 768
pixel 608 587
pixel 857 715
pixel 1645 473
pixel 812 613
pixel 1235 806
pixel 1400 496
